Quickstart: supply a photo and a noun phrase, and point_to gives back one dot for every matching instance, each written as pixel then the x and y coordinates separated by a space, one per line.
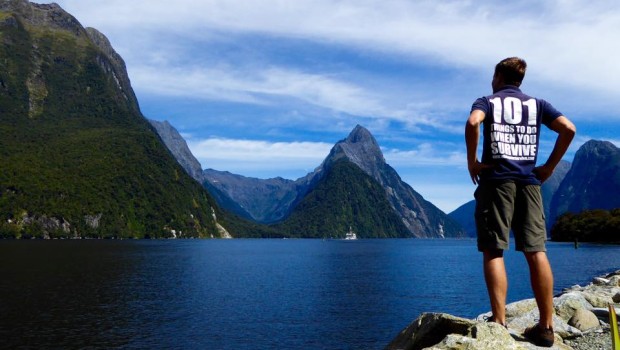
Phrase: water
pixel 242 294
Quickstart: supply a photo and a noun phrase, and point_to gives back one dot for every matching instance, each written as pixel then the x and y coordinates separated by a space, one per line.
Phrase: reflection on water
pixel 250 293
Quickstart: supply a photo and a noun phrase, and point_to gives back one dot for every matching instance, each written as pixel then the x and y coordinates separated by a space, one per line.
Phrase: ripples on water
pixel 262 294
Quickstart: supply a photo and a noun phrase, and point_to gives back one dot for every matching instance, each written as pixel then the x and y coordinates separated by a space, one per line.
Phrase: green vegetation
pixel 345 197
pixel 73 147
pixel 588 226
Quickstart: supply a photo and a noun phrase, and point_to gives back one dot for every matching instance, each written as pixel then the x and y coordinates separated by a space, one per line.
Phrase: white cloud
pixel 258 87
pixel 568 42
pixel 426 154
pixel 255 158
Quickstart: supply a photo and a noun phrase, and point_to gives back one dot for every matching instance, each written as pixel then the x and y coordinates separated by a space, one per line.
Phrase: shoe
pixel 540 336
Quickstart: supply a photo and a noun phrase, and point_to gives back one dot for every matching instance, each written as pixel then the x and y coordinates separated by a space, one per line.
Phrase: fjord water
pixel 241 294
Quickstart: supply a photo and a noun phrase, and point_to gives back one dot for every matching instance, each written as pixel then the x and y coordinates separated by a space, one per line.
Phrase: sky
pixel 266 88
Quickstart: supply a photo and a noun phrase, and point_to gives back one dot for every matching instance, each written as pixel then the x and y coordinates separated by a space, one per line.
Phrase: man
pixel 508 194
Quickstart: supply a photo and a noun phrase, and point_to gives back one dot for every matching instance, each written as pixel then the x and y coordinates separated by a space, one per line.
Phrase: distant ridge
pixel 273 200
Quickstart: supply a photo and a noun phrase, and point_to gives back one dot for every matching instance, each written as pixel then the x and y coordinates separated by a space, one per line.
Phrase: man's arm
pixel 472 135
pixel 566 131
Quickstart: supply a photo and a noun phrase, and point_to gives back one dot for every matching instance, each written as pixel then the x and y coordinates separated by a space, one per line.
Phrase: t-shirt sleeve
pixel 549 113
pixel 481 104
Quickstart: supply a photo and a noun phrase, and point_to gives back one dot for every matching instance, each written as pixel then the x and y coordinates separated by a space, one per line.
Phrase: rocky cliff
pixel 178 147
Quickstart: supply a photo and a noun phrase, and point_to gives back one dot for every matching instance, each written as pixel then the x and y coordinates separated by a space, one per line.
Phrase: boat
pixel 350 235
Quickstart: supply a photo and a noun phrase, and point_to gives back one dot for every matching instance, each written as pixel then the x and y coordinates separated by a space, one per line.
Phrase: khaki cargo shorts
pixel 503 206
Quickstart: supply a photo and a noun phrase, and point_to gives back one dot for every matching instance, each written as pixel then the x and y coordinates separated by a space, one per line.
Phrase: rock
pixel 428 330
pixel 584 320
pixel 560 327
pixel 482 336
pixel 575 288
pixel 600 296
pixel 567 304
pixel 513 309
pixel 603 312
pixel 520 307
pixel 600 281
pixel 614 281
pixel 582 309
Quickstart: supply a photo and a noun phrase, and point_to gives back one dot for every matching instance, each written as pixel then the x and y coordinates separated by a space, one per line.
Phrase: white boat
pixel 350 235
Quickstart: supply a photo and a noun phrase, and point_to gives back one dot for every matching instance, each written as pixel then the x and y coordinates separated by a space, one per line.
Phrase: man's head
pixel 509 71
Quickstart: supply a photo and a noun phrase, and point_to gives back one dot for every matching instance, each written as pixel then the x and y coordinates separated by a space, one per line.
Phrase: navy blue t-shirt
pixel 511 134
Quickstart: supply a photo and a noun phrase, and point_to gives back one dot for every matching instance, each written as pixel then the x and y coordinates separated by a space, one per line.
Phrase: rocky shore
pixel 581 322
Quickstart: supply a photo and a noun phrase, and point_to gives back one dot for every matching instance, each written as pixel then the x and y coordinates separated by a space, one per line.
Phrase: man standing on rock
pixel 508 194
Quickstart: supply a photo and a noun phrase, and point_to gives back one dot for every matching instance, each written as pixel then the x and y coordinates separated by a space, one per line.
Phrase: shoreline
pixel 581 321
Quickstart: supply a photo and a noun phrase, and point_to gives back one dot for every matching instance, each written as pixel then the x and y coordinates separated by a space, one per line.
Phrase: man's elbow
pixel 570 129
pixel 472 124
pixel 566 127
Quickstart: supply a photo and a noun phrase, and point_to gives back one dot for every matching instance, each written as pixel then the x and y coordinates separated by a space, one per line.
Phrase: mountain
pixel 465 213
pixel 550 188
pixel 261 200
pixel 78 158
pixel 593 181
pixel 344 198
pixel 177 145
pixel 274 200
pixel 422 218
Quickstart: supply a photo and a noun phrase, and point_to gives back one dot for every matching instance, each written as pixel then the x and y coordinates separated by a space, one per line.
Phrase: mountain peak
pixel 361 148
pixel 360 134
pixel 51 15
pixel 598 147
pixel 598 152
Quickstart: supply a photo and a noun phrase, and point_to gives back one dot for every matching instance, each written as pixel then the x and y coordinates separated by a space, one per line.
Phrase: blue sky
pixel 265 88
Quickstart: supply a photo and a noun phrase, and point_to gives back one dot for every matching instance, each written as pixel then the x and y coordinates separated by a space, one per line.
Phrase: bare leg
pixel 497 283
pixel 541 278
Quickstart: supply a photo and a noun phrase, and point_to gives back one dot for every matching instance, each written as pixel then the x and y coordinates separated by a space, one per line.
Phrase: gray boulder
pixel 428 330
pixel 584 320
pixel 567 304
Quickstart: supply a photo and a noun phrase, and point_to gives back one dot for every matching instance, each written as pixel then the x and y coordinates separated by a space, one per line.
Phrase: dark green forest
pixel 345 197
pixel 74 147
pixel 588 226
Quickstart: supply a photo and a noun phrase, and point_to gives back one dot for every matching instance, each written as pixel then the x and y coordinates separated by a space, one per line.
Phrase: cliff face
pixel 78 158
pixel 593 181
pixel 178 147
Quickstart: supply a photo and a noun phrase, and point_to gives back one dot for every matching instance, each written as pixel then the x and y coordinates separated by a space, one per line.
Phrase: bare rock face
pixel 178 147
pixel 114 64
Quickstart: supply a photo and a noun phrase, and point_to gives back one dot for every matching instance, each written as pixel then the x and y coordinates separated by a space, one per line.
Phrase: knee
pixel 490 254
